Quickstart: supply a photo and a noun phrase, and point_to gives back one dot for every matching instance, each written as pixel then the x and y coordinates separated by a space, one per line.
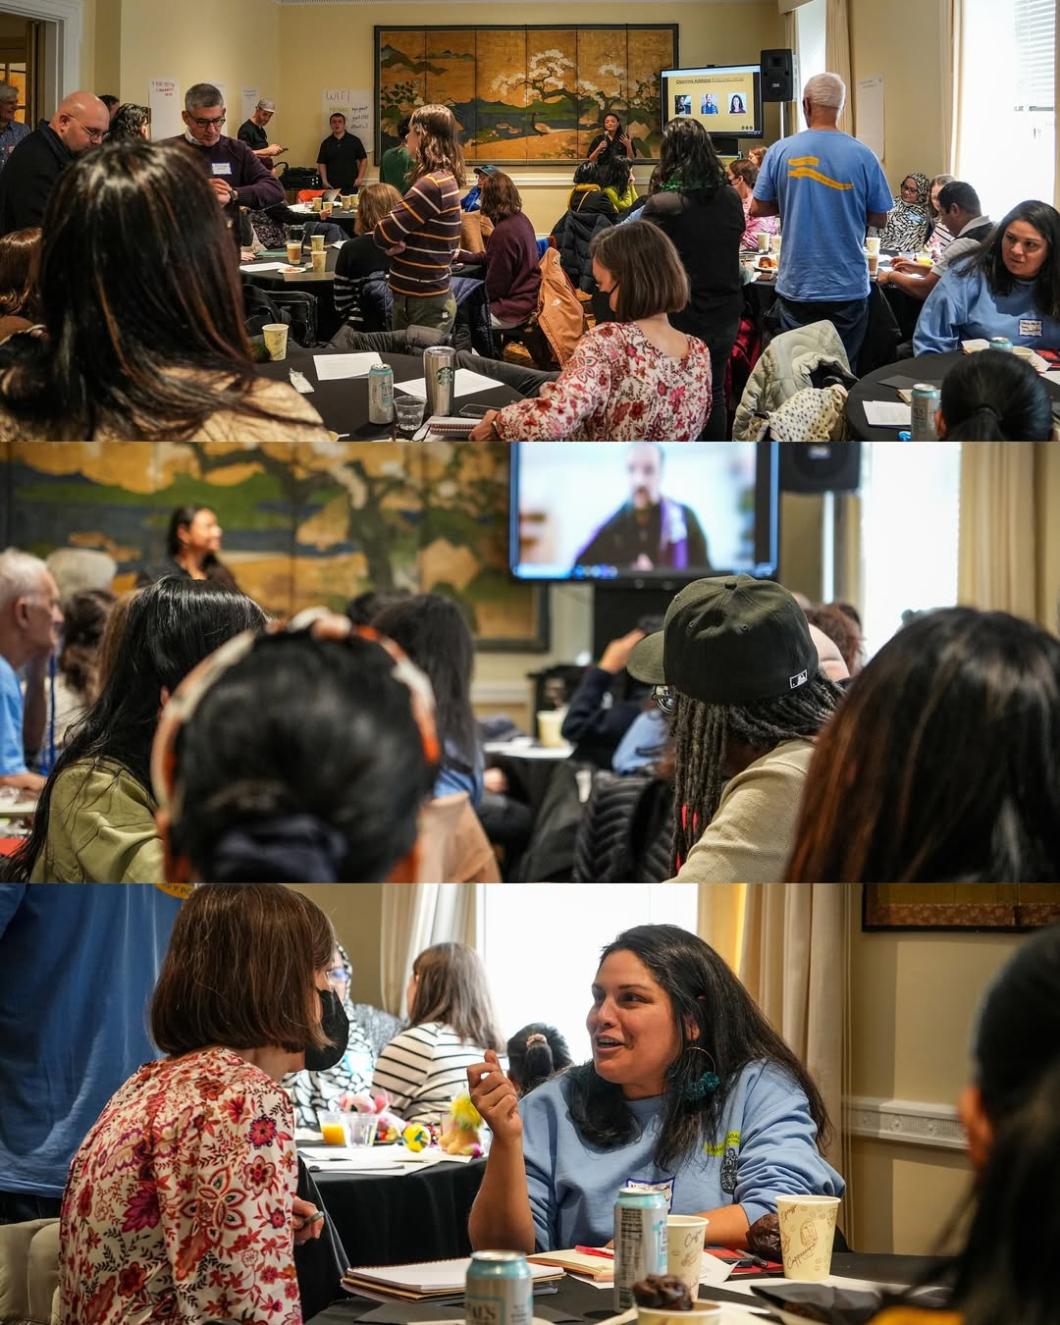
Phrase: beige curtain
pixel 793 113
pixel 788 944
pixel 997 565
pixel 951 83
pixel 837 54
pixel 415 916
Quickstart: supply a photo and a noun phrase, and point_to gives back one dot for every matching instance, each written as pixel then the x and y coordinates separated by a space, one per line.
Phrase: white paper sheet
pixel 713 1271
pixel 264 266
pixel 165 102
pixel 465 383
pixel 331 367
pixel 1053 376
pixel 870 113
pixel 888 414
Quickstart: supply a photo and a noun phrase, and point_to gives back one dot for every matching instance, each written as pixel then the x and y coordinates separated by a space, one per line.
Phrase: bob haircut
pixel 745 169
pixel 19 262
pixel 451 987
pixel 646 269
pixel 943 762
pixel 373 203
pixel 500 198
pixel 439 146
pixel 241 971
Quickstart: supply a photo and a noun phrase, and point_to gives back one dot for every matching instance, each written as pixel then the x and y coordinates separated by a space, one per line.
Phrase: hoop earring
pixel 704 1086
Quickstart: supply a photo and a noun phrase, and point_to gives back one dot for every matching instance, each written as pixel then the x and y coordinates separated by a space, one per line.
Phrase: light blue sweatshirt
pixel 963 307
pixel 766 1147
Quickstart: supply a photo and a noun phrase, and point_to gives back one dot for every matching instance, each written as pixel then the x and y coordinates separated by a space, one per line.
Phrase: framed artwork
pixel 532 95
pixel 977 906
pixel 303 524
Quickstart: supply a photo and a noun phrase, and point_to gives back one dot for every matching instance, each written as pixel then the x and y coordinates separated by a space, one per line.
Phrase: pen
pixel 310 1219
pixel 605 1252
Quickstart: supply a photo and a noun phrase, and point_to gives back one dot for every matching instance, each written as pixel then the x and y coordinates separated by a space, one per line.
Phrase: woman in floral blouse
pixel 637 379
pixel 180 1204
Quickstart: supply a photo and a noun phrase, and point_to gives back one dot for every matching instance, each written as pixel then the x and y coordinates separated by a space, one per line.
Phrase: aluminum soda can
pixel 640 1241
pixel 925 403
pixel 499 1289
pixel 1000 343
pixel 439 371
pixel 380 393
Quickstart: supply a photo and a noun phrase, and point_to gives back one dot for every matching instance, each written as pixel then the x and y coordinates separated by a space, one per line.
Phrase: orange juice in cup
pixel 333 1129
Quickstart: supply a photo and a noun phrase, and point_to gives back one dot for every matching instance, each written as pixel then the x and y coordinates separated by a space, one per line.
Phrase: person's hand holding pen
pixel 308 1221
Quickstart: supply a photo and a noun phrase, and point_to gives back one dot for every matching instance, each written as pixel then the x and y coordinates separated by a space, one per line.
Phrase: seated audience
pixel 77 678
pixel 19 265
pixel 908 220
pixel 742 175
pixel 30 618
pixel 536 1054
pixel 994 396
pixel 1010 287
pixel 302 755
pixel 588 212
pixel 588 196
pixel 689 1086
pixel 756 155
pixel 696 208
pixel 434 633
pixel 940 236
pixel 130 121
pixel 451 1025
pixel 193 541
pixel 513 269
pixel 361 258
pixel 940 766
pixel 43 155
pixel 605 704
pixel 1009 1114
pixel 96 818
pixel 615 175
pixel 960 211
pixel 169 357
pixel 637 378
pixel 200 1221
pixel 736 668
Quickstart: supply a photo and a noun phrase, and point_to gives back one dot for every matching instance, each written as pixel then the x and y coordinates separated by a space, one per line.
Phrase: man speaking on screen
pixel 648 532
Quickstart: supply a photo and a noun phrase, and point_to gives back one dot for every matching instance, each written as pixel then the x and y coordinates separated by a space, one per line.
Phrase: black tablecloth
pixel 321 285
pixel 394 1218
pixel 343 404
pixel 930 368
pixel 577 1302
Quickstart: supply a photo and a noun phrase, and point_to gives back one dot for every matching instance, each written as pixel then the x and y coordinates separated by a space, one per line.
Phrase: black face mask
pixel 336 1026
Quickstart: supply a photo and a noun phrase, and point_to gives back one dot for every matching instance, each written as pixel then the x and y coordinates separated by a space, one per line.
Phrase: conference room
pixel 870 1072
pixel 540 151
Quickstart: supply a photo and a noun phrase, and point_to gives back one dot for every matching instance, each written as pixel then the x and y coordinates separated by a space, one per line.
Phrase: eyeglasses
pixel 94 135
pixel 339 975
pixel 208 124
pixel 665 699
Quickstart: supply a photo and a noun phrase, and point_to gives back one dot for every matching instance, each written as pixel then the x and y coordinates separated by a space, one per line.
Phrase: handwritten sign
pixel 356 105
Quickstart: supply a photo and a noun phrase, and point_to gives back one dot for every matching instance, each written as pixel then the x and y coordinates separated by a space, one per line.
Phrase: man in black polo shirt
pixel 252 131
pixel 40 158
pixel 236 175
pixel 342 159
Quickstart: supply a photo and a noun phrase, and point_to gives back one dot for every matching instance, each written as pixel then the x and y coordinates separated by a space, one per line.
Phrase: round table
pixel 929 368
pixel 321 285
pixel 528 768
pixel 295 216
pixel 343 402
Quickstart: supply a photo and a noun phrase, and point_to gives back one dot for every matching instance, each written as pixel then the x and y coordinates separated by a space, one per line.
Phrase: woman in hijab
pixel 909 218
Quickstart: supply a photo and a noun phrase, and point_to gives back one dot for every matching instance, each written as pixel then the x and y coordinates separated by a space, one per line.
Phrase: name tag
pixel 1030 326
pixel 222 167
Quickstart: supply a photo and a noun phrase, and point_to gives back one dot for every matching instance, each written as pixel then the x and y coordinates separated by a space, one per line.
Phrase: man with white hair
pixel 826 187
pixel 29 632
pixel 11 131
pixel 26 184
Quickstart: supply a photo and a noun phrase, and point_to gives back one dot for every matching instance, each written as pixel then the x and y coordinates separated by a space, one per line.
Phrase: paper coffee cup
pixel 316 243
pixel 275 334
pixel 316 204
pixel 1023 352
pixel 872 244
pixel 685 1235
pixel 706 1312
pixel 294 252
pixel 763 241
pixel 549 724
pixel 774 244
pixel 874 263
pixel 807 1231
pixel 319 259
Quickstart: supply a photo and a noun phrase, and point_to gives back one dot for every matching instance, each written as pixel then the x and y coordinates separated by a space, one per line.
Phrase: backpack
pixel 295 308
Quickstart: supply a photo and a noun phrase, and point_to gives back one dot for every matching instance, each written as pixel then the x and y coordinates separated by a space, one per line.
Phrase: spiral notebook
pixel 424 1279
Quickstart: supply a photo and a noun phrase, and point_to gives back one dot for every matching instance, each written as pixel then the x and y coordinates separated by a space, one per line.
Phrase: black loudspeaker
pixel 820 466
pixel 778 75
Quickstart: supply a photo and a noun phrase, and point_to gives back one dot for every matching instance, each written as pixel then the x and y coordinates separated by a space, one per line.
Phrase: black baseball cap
pixel 730 639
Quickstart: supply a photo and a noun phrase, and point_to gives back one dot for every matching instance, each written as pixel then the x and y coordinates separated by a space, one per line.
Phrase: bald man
pixel 79 123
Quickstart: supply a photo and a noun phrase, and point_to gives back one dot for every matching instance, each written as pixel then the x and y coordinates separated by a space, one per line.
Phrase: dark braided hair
pixel 700 733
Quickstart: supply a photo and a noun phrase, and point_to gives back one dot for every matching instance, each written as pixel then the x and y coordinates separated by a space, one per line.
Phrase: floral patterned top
pixel 617 387
pixel 178 1205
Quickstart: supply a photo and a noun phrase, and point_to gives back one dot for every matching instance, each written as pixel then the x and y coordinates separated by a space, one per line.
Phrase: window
pixel 1007 114
pixel 909 525
pixel 541 944
pixel 810 43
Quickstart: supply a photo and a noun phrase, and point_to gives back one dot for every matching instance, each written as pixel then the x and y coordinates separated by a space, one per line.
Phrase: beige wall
pixel 914 998
pixel 356 911
pixel 1048 536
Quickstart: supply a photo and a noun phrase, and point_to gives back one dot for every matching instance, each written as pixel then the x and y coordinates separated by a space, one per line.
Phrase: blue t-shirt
pixel 963 307
pixel 825 184
pixel 78 964
pixel 766 1147
pixel 12 753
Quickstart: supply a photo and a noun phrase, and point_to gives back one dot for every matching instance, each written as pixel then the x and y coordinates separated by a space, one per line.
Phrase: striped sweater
pixel 427 222
pixel 423 1069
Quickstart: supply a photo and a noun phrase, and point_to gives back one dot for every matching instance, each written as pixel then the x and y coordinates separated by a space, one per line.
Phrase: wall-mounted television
pixel 726 99
pixel 653 513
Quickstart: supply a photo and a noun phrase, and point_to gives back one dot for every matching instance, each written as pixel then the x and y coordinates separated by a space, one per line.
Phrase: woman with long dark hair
pixel 77 674
pixel 612 139
pixel 689 1090
pixel 943 762
pixel 95 817
pixel 1010 286
pixel 702 214
pixel 451 1025
pixel 140 296
pixel 193 542
pixel 19 264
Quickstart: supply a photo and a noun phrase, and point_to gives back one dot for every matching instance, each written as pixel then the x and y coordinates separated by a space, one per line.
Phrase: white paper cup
pixel 549 724
pixel 807 1231
pixel 685 1235
pixel 703 1311
pixel 316 243
pixel 1023 352
pixel 872 244
pixel 763 241
pixel 275 334
pixel 316 204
